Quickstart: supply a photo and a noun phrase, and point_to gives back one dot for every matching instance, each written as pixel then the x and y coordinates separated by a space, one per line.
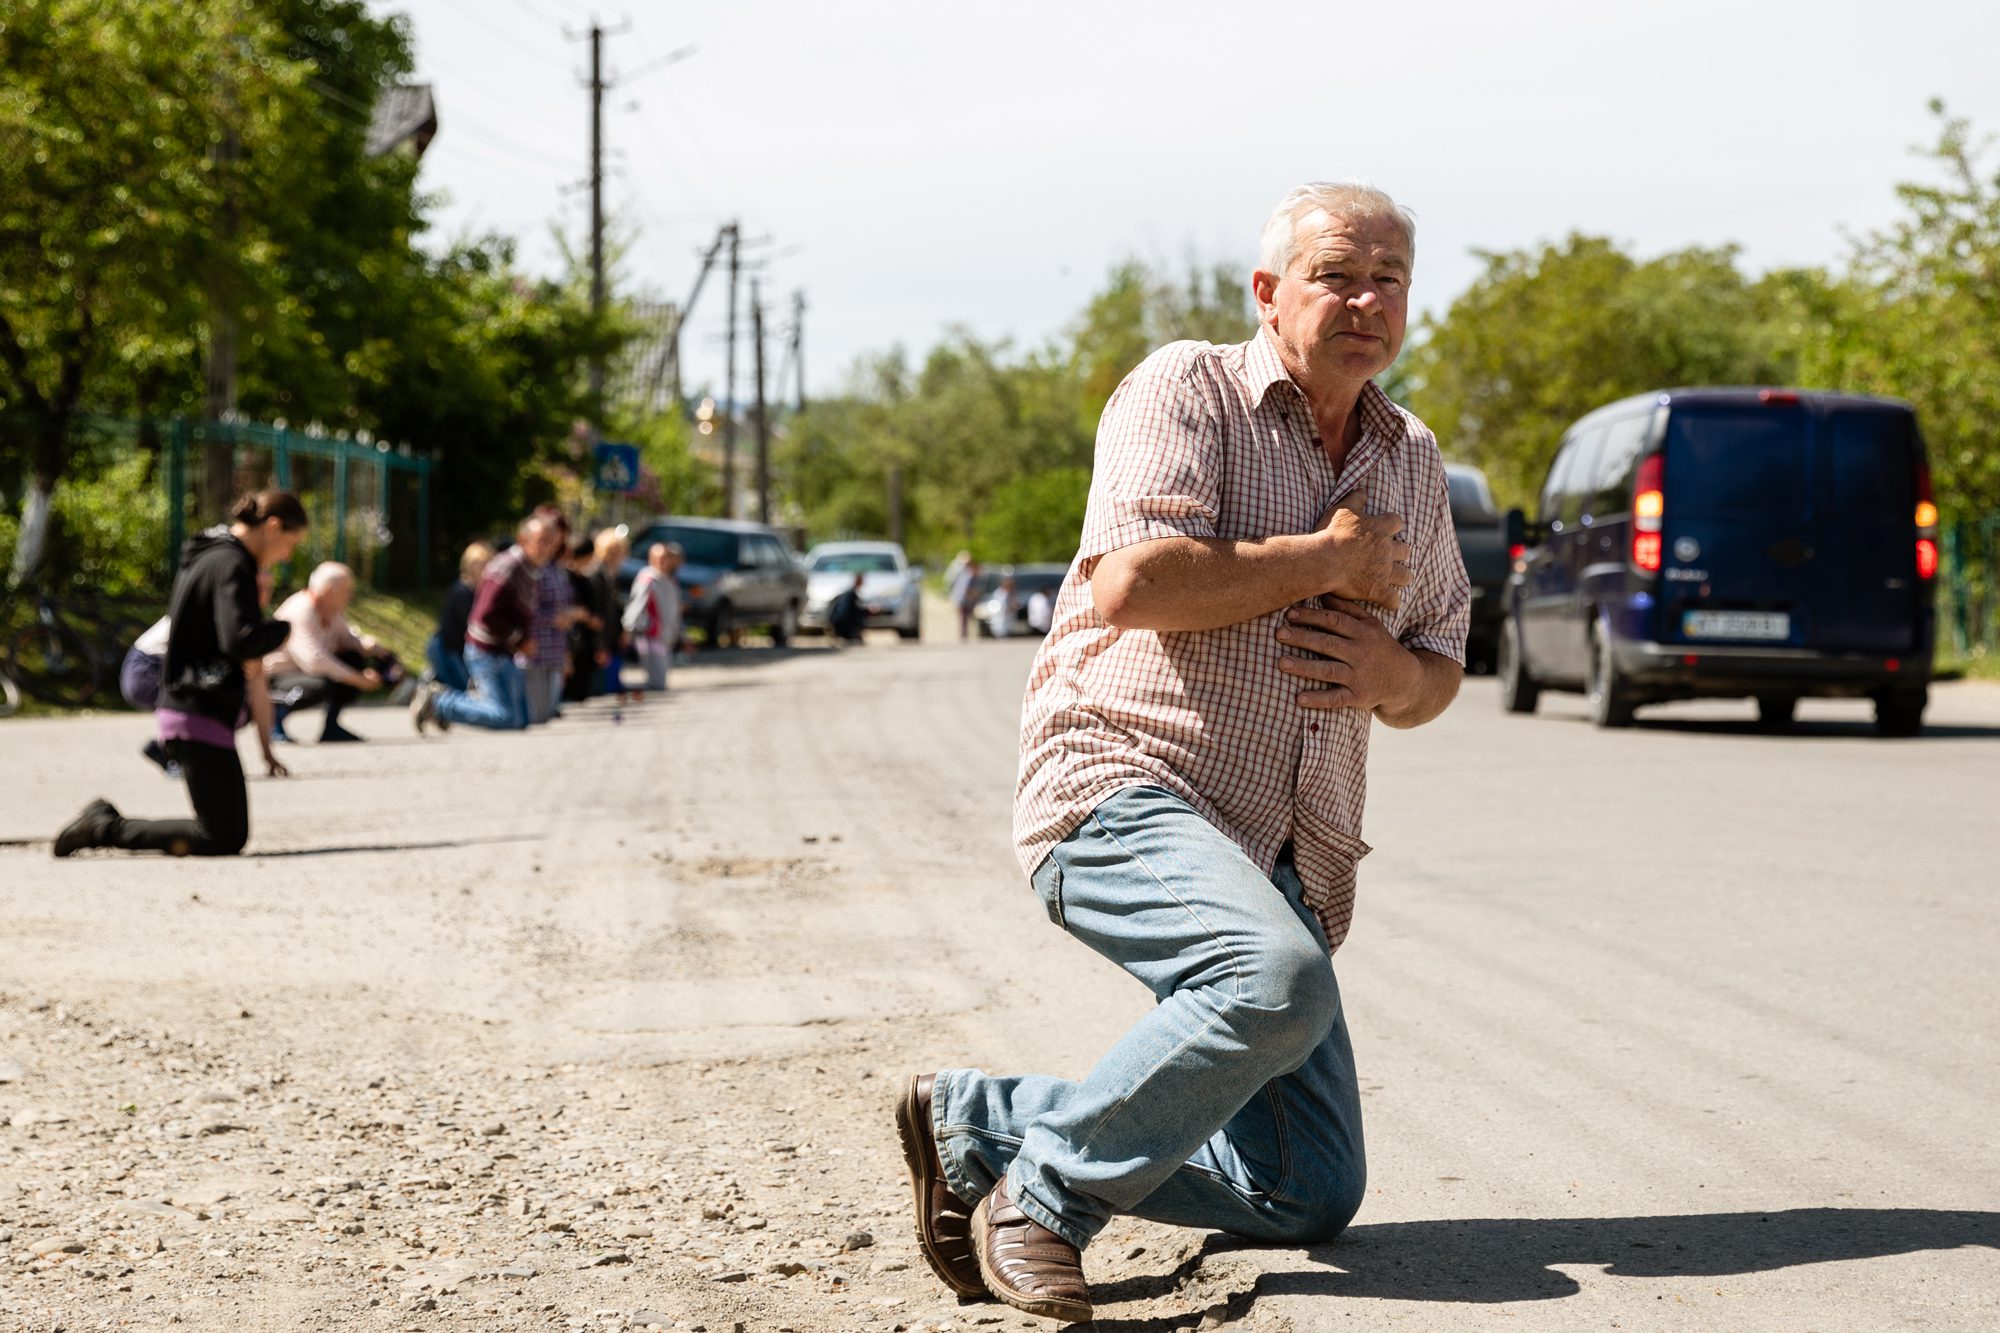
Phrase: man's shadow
pixel 1484 1261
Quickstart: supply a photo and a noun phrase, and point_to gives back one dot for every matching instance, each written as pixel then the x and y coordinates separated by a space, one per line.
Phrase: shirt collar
pixel 1262 369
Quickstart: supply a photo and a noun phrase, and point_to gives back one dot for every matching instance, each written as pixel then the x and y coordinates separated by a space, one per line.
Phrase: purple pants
pixel 139 679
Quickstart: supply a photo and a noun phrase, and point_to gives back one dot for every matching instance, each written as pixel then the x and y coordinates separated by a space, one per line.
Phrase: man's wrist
pixel 1408 689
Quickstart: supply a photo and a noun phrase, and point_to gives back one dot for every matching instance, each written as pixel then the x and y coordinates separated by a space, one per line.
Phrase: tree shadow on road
pixel 1484 1261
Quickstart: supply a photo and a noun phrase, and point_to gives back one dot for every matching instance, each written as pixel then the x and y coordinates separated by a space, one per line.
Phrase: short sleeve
pixel 1158 468
pixel 1437 606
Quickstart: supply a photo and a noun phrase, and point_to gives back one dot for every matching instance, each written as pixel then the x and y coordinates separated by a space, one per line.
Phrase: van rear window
pixel 1874 462
pixel 1730 461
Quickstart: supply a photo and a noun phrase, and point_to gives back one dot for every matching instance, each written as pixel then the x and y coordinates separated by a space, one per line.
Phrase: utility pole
pixel 762 419
pixel 896 502
pixel 596 207
pixel 598 88
pixel 799 345
pixel 729 379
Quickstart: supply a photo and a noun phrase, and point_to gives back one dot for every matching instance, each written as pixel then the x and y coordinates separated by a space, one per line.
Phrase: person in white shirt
pixel 324 662
pixel 653 612
pixel 1041 611
pixel 1001 620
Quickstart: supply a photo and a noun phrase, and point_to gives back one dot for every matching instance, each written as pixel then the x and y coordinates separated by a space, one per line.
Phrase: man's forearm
pixel 1197 583
pixel 1433 686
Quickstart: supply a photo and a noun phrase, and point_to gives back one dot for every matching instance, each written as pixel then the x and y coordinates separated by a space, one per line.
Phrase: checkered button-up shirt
pixel 1218 442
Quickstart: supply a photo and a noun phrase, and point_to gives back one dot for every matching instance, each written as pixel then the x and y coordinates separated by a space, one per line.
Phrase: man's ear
pixel 1264 286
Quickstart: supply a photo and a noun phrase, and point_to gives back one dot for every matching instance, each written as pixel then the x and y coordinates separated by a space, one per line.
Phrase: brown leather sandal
pixel 1025 1264
pixel 944 1223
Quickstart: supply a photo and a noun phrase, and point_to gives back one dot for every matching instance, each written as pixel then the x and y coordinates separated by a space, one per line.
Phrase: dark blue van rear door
pixel 1870 599
pixel 1741 564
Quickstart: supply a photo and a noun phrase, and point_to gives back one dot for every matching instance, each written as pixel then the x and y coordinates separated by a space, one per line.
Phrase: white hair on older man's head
pixel 331 574
pixel 1354 200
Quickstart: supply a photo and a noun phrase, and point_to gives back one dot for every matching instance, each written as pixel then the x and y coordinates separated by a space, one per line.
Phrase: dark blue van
pixel 1729 543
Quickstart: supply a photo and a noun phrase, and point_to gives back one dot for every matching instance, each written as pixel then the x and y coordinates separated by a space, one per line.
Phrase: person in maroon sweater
pixel 503 617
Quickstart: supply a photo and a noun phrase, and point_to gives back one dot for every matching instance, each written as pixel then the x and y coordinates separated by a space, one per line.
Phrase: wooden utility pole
pixel 598 87
pixel 729 379
pixel 896 503
pixel 596 208
pixel 762 418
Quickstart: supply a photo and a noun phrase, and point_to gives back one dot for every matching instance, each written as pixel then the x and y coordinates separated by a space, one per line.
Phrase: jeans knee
pixel 1332 1205
pixel 1287 1001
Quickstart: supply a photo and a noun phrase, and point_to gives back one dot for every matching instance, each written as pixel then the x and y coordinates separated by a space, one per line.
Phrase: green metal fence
pixel 1969 587
pixel 370 502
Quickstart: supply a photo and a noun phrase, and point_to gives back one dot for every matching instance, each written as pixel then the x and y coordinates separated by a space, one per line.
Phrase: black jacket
pixel 217 627
pixel 452 620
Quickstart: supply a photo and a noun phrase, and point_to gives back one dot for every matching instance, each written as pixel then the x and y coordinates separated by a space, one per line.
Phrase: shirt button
pixel 1313 726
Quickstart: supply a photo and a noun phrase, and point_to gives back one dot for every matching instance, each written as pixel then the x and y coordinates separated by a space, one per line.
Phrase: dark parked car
pixel 736 576
pixel 1703 543
pixel 1482 541
pixel 1028 580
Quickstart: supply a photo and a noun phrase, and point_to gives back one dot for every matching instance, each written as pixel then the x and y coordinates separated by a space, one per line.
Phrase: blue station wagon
pixel 1714 543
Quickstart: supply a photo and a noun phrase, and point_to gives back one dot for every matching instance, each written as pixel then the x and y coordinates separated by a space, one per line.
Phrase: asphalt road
pixel 1688 1026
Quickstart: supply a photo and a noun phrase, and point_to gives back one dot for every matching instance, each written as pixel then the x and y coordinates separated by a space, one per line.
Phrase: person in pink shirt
pixel 1267 571
pixel 325 663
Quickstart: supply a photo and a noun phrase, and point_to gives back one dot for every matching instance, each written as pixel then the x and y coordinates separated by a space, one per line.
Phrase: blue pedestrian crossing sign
pixel 617 468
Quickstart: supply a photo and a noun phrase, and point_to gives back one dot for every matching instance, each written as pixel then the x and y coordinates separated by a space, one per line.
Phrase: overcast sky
pixel 920 165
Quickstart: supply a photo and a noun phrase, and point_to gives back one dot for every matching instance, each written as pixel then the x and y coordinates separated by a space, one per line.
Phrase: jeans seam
pixel 1282 1132
pixel 1235 979
pixel 953 1175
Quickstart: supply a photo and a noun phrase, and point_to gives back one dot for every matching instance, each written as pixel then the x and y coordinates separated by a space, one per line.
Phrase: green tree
pixel 110 187
pixel 1035 518
pixel 1920 318
pixel 1543 336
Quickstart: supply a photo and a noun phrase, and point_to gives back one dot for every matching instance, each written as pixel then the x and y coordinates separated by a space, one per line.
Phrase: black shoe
pixel 157 752
pixel 335 734
pixel 92 828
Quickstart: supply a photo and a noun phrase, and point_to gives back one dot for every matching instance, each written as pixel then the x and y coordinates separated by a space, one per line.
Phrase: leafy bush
pixel 1034 518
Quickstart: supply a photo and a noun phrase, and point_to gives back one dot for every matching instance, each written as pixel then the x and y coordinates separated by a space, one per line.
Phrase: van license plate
pixel 1762 626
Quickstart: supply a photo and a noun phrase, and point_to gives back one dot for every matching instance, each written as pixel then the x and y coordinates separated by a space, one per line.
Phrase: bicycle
pixel 51 660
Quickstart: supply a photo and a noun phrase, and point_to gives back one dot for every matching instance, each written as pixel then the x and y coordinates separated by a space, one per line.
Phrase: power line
pixel 525 44
pixel 670 58
pixel 526 8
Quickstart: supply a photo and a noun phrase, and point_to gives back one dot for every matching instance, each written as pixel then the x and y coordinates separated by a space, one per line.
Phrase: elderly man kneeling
pixel 324 663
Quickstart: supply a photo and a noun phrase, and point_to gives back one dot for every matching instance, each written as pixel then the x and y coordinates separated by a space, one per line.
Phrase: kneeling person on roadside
pixel 324 663
pixel 1267 569
pixel 211 684
pixel 503 619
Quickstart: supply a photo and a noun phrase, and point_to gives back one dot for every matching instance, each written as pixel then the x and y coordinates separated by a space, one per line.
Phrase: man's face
pixel 333 599
pixel 539 545
pixel 1340 310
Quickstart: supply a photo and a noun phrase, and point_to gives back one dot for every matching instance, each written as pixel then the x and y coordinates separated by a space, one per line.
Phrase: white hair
pixel 1350 199
pixel 329 575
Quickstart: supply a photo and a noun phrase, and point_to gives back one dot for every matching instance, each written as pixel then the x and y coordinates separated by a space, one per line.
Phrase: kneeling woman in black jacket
pixel 218 630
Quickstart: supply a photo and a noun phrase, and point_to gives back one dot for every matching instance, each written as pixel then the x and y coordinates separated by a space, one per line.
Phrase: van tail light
pixel 1649 507
pixel 1927 524
pixel 1778 397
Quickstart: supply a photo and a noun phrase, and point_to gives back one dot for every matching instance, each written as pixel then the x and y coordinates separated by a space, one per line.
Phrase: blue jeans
pixel 448 669
pixel 498 699
pixel 1233 1105
pixel 544 691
